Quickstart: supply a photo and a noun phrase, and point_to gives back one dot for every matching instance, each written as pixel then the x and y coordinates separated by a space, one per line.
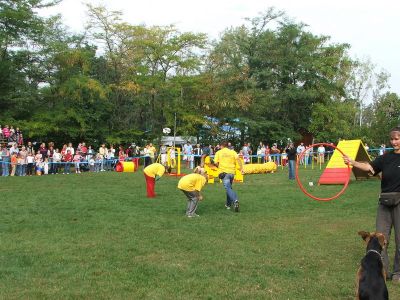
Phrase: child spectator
pixel 20 162
pixel 46 166
pixel 30 159
pixel 67 162
pixel 14 161
pixel 91 164
pixel 98 162
pixel 56 161
pixel 77 162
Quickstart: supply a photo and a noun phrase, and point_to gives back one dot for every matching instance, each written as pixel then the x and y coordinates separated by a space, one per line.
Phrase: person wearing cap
pixel 191 186
pixel 152 173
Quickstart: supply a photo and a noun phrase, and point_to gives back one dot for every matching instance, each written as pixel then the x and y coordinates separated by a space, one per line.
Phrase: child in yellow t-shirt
pixel 191 186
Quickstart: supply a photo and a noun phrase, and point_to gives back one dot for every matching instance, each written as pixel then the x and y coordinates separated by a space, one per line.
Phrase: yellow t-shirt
pixel 192 182
pixel 226 160
pixel 154 169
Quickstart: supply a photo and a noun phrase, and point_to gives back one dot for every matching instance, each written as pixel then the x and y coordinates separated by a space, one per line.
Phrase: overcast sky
pixel 370 27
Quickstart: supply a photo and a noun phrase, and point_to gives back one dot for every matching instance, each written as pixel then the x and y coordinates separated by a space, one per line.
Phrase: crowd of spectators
pixel 27 160
pixel 19 159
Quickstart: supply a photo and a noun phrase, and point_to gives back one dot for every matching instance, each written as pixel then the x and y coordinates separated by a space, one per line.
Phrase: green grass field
pixel 96 236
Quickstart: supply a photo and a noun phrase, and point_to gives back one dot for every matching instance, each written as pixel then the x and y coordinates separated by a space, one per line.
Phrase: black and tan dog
pixel 371 276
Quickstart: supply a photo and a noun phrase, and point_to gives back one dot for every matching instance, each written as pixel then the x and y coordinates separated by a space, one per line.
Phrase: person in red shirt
pixel 67 159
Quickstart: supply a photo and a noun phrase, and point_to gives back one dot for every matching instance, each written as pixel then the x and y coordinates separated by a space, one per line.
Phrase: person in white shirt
pixel 56 161
pixel 321 154
pixel 299 150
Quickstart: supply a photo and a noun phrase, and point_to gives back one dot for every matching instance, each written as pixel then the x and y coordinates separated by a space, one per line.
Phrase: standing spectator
pixel 226 160
pixel 191 186
pixel 63 150
pixel 50 154
pixel 29 148
pixel 71 149
pixel 38 163
pixel 14 162
pixel 184 152
pixel 299 150
pixel 14 149
pixel 121 153
pixel 275 153
pixel 163 154
pixel 5 160
pixel 84 150
pixel 23 153
pixel 189 155
pixel 146 154
pixel 18 134
pixel 91 162
pixel 43 150
pixel 30 168
pixel 12 138
pixel 90 153
pixel 98 163
pixel 197 155
pixel 284 158
pixel 172 157
pixel 46 166
pixel 246 153
pixel 152 173
pixel 267 153
pixel 67 159
pixel 77 162
pixel 152 153
pixel 103 153
pixel 56 161
pixel 321 154
pixel 6 132
pixel 109 160
pixel 291 156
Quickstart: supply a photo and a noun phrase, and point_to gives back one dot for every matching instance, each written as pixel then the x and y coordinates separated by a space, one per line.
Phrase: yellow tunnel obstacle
pixel 268 167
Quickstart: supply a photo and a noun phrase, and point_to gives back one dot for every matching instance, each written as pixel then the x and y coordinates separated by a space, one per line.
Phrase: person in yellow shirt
pixel 152 173
pixel 191 186
pixel 226 160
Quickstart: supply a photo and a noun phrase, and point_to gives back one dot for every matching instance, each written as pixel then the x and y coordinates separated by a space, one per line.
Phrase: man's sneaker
pixel 227 206
pixel 236 205
pixel 193 216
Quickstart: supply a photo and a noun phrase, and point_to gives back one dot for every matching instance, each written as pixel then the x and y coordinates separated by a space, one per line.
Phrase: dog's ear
pixel 382 240
pixel 364 235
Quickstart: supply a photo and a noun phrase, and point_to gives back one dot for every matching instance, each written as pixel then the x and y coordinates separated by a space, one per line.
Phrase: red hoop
pixel 302 187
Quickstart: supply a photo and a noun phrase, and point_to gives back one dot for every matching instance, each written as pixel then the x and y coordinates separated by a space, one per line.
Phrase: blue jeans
pixel 5 166
pixel 231 196
pixel 291 169
pixel 67 167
